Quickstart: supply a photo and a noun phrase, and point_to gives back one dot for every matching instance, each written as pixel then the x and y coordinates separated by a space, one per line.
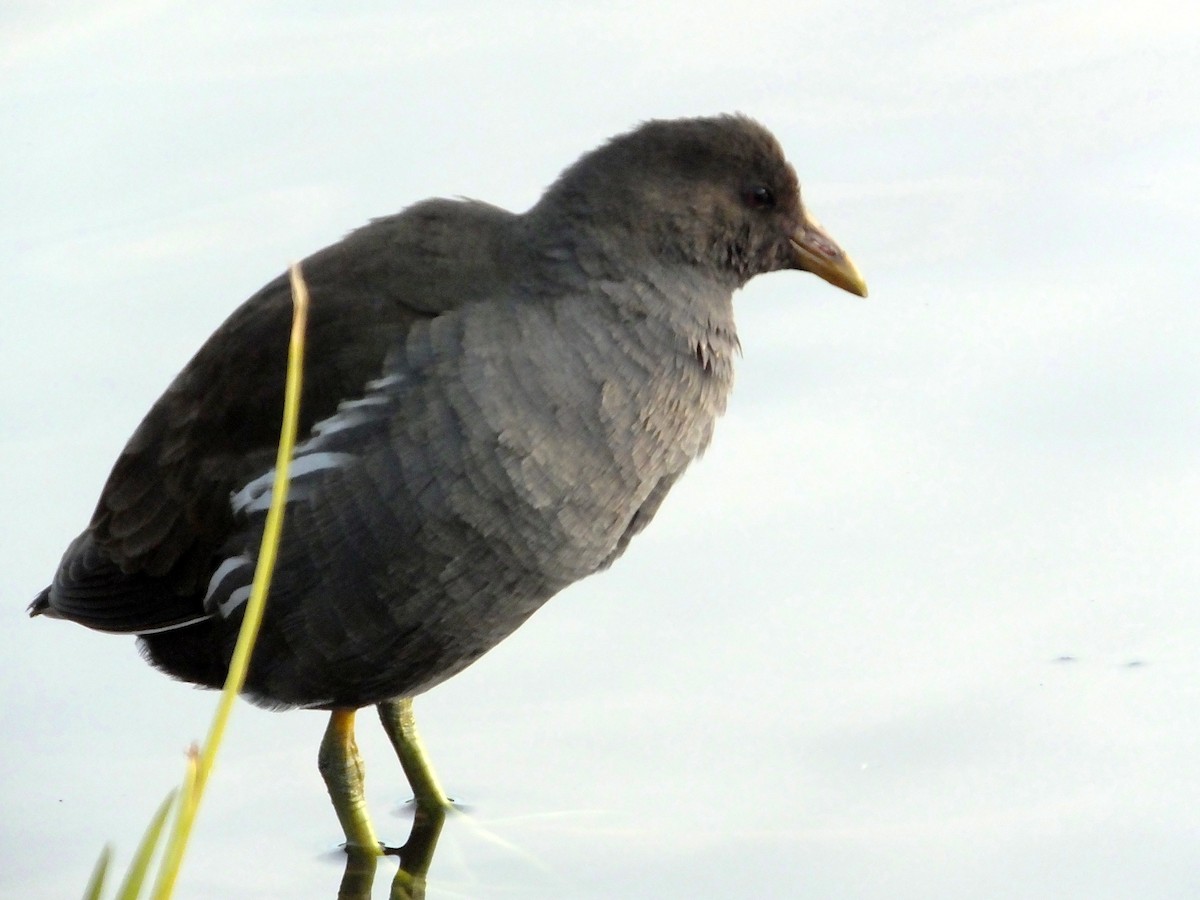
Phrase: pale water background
pixel 922 624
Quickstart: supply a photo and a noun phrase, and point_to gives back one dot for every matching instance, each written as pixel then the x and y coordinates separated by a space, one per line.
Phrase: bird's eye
pixel 759 197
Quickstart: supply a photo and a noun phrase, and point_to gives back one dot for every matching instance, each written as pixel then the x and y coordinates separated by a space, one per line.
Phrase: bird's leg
pixel 342 769
pixel 397 718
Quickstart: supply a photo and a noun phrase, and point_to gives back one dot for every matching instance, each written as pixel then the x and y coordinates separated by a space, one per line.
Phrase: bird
pixel 494 405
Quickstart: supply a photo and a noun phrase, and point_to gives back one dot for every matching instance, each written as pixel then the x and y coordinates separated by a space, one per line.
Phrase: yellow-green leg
pixel 401 727
pixel 342 769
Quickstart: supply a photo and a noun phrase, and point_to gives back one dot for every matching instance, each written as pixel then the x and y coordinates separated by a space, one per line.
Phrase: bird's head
pixel 716 193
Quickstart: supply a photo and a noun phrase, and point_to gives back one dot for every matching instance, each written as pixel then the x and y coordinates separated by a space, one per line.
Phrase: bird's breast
pixel 575 414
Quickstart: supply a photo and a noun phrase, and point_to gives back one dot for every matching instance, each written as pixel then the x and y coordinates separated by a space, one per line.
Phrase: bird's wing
pixel 148 554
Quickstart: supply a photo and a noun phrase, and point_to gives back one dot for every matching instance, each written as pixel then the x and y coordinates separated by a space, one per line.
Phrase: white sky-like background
pixel 829 668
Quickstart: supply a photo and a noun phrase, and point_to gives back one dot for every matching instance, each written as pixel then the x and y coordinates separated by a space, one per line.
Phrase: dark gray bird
pixel 494 405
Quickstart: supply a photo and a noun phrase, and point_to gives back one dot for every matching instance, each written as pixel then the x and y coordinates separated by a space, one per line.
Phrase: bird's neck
pixel 689 313
pixel 673 310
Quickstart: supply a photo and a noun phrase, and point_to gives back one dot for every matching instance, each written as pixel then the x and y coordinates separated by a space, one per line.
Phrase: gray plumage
pixel 495 405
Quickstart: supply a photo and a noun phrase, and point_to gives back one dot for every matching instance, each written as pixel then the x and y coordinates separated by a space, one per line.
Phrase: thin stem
pixel 189 800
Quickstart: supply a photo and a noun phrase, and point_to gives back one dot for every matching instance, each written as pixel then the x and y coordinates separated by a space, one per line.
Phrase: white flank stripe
pixel 256 495
pixel 233 601
pixel 340 422
pixel 387 381
pixel 229 565
pixel 362 402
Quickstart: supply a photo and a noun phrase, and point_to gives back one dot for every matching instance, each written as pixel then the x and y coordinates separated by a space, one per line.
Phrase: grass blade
pixel 96 883
pixel 131 887
pixel 200 765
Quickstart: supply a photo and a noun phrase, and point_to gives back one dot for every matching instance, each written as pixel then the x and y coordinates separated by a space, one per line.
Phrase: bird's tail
pixel 41 605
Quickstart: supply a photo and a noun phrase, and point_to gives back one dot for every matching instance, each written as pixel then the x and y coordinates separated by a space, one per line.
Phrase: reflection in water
pixel 415 858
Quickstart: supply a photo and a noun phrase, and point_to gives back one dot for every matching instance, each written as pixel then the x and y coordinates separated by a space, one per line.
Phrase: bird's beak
pixel 816 252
